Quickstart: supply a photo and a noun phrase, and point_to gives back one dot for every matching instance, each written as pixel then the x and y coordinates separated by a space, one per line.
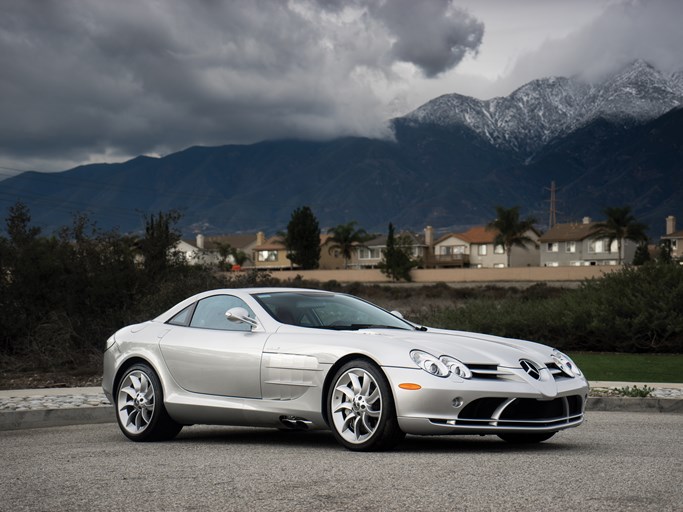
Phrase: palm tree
pixel 511 229
pixel 224 252
pixel 345 237
pixel 620 225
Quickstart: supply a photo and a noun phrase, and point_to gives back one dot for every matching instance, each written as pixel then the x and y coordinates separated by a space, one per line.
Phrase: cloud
pixel 624 32
pixel 434 36
pixel 82 78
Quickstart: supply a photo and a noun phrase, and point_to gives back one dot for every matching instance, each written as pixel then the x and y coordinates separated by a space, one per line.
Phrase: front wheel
pixel 361 410
pixel 140 410
pixel 526 438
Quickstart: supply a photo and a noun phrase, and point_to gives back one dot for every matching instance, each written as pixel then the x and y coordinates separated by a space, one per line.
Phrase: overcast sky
pixel 90 80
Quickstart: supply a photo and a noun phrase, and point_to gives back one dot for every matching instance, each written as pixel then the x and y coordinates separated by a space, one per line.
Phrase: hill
pixel 446 167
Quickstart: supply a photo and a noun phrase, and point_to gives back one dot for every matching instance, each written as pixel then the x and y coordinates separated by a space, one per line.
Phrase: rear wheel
pixel 526 438
pixel 140 410
pixel 360 408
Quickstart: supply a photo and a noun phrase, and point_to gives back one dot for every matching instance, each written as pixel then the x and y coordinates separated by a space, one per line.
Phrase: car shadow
pixel 254 435
pixel 324 440
pixel 476 444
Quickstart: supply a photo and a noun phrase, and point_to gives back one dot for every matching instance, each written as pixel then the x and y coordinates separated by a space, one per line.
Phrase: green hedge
pixel 636 309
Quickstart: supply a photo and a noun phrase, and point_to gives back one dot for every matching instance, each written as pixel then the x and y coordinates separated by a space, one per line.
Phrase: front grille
pixel 494 372
pixel 520 412
pixel 486 371
pixel 556 372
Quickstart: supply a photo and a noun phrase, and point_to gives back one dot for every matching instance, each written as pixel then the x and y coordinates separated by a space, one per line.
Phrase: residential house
pixel 330 259
pixel 272 254
pixel 190 251
pixel 476 248
pixel 675 237
pixel 577 244
pixel 205 250
pixel 371 253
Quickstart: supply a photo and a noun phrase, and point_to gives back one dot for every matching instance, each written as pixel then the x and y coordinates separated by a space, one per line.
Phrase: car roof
pixel 236 291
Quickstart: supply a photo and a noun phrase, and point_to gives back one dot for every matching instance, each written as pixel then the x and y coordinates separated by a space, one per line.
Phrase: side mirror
pixel 240 315
pixel 398 314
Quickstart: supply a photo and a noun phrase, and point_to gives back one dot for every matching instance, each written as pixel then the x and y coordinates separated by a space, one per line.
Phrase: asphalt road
pixel 614 462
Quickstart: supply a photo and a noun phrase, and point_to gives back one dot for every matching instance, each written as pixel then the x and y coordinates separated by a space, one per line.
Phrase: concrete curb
pixel 17 420
pixel 634 404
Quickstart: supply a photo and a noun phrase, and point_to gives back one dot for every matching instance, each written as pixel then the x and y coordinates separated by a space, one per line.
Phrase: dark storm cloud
pixel 432 35
pixel 86 77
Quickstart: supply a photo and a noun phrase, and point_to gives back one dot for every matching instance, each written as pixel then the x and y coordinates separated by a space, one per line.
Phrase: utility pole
pixel 553 206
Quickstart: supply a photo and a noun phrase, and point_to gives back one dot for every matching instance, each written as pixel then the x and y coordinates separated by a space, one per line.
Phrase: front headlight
pixel 429 363
pixel 440 366
pixel 565 364
pixel 456 367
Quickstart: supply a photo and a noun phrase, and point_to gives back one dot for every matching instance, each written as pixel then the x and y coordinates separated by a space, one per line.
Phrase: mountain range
pixel 452 160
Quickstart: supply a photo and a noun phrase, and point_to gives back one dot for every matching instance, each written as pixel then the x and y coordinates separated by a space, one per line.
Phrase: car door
pixel 206 353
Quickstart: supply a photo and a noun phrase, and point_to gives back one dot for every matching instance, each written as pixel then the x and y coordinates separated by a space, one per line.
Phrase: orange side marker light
pixel 410 386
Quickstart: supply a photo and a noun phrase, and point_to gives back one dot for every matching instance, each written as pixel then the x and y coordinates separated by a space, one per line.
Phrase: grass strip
pixel 630 367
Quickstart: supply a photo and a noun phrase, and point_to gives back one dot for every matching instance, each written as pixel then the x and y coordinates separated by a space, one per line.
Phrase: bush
pixel 631 310
pixel 62 296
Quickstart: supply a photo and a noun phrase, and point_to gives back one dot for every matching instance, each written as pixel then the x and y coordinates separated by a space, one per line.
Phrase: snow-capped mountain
pixel 545 108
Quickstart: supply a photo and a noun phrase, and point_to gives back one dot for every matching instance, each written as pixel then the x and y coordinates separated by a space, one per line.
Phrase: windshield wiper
pixel 356 327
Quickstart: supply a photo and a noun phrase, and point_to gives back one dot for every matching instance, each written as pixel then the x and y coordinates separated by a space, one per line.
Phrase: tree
pixel 158 245
pixel 18 225
pixel 642 254
pixel 345 237
pixel 397 262
pixel 511 229
pixel 302 239
pixel 230 254
pixel 665 252
pixel 620 225
pixel 239 257
pixel 225 250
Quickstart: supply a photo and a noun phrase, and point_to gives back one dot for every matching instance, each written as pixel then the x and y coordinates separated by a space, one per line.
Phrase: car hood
pixel 472 348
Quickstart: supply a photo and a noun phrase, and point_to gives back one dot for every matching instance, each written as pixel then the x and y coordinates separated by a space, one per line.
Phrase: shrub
pixel 631 310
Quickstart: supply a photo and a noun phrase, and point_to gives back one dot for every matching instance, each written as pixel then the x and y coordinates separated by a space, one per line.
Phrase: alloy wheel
pixel 136 402
pixel 356 405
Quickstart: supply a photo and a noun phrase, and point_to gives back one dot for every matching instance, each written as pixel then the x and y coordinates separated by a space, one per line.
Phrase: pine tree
pixel 397 262
pixel 302 239
pixel 157 246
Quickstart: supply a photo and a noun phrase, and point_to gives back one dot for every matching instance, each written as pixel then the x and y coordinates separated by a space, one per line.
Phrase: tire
pixel 361 410
pixel 140 410
pixel 526 438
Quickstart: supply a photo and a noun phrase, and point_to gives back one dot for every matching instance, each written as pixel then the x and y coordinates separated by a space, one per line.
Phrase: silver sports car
pixel 309 359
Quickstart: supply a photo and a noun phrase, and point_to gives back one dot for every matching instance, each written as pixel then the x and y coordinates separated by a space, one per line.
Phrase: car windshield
pixel 325 310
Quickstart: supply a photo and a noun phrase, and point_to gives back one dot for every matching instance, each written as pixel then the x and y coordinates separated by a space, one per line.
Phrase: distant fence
pixel 456 275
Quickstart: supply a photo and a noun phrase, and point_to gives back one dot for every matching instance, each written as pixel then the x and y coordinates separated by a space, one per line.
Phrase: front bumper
pixel 486 406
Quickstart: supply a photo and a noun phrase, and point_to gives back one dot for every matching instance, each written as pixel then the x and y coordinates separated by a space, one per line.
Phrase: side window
pixel 182 318
pixel 210 313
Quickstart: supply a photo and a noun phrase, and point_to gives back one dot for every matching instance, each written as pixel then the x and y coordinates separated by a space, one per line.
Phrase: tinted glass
pixel 210 313
pixel 182 318
pixel 328 311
